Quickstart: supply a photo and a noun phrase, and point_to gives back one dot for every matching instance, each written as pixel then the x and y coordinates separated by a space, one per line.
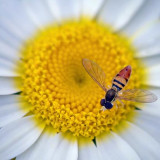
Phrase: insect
pixel 119 82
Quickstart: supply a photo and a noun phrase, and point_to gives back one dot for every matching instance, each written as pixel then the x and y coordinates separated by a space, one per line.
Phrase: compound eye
pixel 108 105
pixel 102 102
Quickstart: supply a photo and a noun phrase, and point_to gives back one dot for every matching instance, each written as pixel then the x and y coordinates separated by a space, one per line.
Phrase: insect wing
pixel 95 72
pixel 138 95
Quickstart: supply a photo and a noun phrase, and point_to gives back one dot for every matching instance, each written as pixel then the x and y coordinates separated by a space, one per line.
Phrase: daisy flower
pixel 49 106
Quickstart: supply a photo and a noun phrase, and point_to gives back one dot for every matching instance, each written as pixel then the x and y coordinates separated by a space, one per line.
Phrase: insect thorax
pixel 110 95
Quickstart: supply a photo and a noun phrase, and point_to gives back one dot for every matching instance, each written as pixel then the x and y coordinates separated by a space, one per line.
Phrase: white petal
pixel 150 50
pixel 153 76
pixel 7 85
pixel 62 9
pixel 148 122
pixel 43 149
pixel 149 12
pixel 88 151
pixel 18 136
pixel 7 52
pixel 9 39
pixel 9 113
pixel 145 145
pixel 150 60
pixel 10 109
pixel 9 99
pixel 15 23
pixel 154 108
pixel 91 8
pixel 38 11
pixel 116 148
pixel 67 150
pixel 147 40
pixel 7 68
pixel 11 27
pixel 147 36
pixel 118 13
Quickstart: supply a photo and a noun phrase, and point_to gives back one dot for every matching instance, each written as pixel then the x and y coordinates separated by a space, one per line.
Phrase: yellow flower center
pixel 57 87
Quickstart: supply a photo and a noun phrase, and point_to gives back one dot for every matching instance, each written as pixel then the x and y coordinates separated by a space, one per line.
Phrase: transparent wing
pixel 138 95
pixel 95 72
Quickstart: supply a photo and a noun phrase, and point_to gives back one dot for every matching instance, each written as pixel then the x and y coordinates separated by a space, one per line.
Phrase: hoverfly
pixel 118 83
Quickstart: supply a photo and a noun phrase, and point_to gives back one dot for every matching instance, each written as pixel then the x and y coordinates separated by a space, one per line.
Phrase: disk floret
pixel 58 89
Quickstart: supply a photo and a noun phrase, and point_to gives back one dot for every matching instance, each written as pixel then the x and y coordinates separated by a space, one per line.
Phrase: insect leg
pixel 116 104
pixel 121 102
pixel 102 108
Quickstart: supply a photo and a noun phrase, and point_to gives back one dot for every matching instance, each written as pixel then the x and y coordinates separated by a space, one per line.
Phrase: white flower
pixel 24 139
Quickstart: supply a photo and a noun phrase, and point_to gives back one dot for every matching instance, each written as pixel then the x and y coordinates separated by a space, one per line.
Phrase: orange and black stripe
pixel 119 82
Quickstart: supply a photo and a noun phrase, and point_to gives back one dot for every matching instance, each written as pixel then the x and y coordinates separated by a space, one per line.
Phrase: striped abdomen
pixel 121 78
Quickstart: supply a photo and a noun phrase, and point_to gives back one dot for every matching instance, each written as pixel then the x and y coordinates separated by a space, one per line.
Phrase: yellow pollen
pixel 56 85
